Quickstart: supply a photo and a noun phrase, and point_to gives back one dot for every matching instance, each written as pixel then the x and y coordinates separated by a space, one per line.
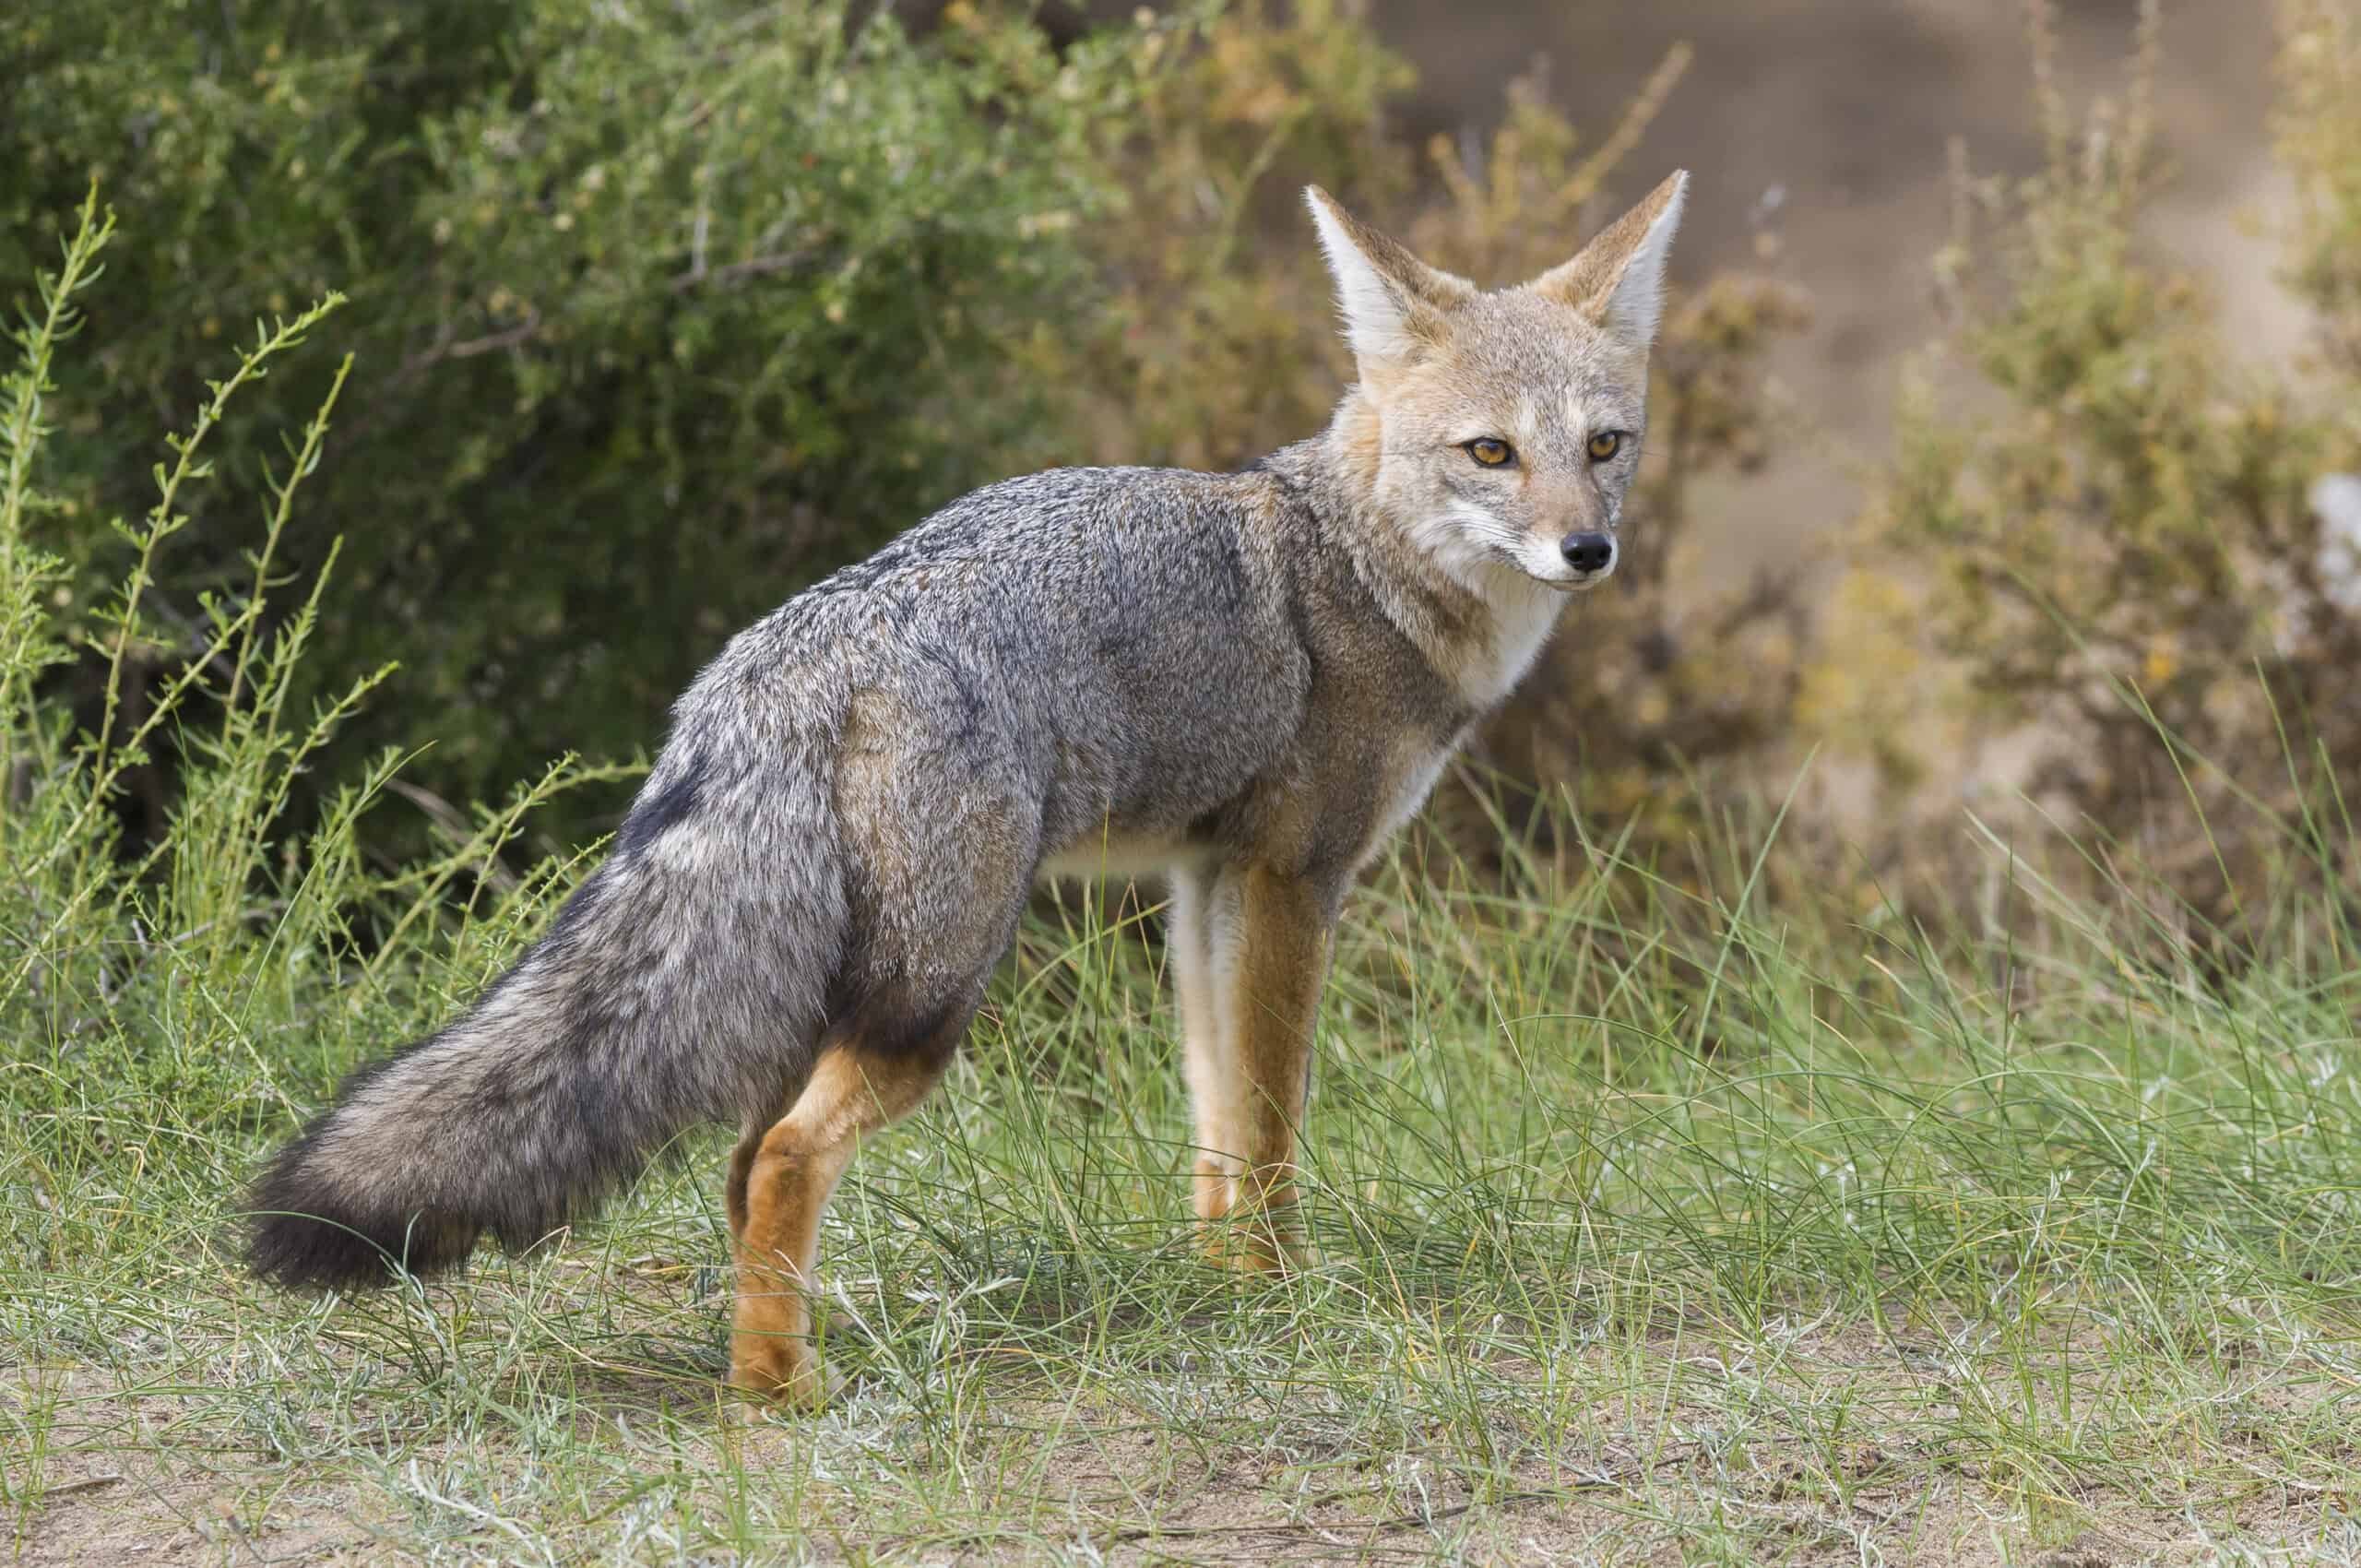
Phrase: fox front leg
pixel 1202 910
pixel 1271 963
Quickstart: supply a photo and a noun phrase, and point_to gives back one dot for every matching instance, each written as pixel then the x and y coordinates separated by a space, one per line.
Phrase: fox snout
pixel 1590 554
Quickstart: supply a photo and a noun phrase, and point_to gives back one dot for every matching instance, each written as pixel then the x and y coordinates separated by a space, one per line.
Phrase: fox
pixel 1238 685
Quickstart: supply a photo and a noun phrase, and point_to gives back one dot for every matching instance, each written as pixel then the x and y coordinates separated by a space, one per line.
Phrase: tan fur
pixel 788 1174
pixel 1586 281
pixel 1195 926
pixel 1279 963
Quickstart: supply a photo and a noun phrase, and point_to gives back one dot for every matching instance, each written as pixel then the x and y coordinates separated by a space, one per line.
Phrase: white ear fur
pixel 1636 303
pixel 1618 281
pixel 1376 311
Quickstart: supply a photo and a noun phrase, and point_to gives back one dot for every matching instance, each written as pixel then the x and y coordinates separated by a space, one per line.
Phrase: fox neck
pixel 1481 624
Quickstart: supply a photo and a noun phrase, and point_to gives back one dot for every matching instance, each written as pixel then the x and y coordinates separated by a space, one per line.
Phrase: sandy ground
pixel 1646 1478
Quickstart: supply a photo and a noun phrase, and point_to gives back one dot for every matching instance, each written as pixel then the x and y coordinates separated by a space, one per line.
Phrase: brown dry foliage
pixel 2120 561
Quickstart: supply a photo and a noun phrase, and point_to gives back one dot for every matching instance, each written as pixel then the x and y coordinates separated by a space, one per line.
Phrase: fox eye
pixel 1492 454
pixel 1605 445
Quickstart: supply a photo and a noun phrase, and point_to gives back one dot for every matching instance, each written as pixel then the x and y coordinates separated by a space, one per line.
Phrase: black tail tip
pixel 304 1230
pixel 301 1231
pixel 306 1250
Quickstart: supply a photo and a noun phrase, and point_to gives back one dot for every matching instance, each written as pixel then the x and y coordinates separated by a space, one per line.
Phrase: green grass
pixel 1659 1220
pixel 1880 1266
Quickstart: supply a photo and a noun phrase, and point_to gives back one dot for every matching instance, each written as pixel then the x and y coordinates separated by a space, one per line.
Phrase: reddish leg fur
pixel 779 1185
pixel 1270 971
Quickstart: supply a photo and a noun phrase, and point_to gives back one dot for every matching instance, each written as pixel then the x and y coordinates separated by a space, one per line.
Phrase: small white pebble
pixel 2337 499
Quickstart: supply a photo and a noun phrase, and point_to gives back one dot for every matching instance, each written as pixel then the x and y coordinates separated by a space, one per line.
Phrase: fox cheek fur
pixel 1243 683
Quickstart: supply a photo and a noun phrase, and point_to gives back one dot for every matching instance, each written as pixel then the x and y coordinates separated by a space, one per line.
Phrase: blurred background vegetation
pixel 1963 486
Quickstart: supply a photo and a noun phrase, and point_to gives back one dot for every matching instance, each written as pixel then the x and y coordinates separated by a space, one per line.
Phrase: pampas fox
pixel 1241 682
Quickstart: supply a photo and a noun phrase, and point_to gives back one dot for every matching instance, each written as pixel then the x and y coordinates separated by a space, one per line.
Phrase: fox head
pixel 1501 429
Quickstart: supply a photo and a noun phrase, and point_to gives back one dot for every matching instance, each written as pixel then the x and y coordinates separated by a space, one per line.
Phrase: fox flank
pixel 1239 682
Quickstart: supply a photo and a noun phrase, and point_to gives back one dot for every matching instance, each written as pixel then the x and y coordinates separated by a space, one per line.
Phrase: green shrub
pixel 657 313
pixel 117 958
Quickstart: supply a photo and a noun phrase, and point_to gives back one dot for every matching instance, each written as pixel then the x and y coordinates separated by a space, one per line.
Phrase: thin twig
pixel 88 1483
pixel 755 266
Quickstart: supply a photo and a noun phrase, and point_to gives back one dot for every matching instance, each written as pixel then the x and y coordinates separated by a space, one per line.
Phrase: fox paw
pixel 1248 1244
pixel 785 1373
pixel 1281 1260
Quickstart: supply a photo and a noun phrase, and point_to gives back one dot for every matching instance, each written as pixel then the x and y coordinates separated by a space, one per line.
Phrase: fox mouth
pixel 1542 562
pixel 1565 585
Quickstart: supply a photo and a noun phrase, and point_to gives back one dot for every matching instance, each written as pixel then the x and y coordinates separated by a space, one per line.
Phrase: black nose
pixel 1587 551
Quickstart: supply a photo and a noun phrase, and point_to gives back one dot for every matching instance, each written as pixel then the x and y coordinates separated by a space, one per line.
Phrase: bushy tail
pixel 661 999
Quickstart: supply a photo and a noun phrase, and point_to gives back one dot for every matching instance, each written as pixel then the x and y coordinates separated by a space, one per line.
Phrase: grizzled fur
pixel 1241 681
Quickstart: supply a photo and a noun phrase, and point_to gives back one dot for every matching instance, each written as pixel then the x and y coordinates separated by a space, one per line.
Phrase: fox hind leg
pixel 780 1183
pixel 946 840
pixel 741 1167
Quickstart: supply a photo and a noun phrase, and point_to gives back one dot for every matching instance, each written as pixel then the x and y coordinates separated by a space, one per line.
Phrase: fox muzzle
pixel 1588 553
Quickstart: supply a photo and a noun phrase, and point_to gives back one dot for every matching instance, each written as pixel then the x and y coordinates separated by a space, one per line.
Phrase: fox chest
pixel 1403 783
pixel 1521 627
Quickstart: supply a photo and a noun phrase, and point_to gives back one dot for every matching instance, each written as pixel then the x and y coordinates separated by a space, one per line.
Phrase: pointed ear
pixel 1393 305
pixel 1618 281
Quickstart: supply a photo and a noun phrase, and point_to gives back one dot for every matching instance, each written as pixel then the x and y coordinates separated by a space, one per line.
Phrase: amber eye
pixel 1605 445
pixel 1491 452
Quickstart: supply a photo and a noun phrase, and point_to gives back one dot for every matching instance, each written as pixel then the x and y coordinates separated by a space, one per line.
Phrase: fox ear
pixel 1393 305
pixel 1618 281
